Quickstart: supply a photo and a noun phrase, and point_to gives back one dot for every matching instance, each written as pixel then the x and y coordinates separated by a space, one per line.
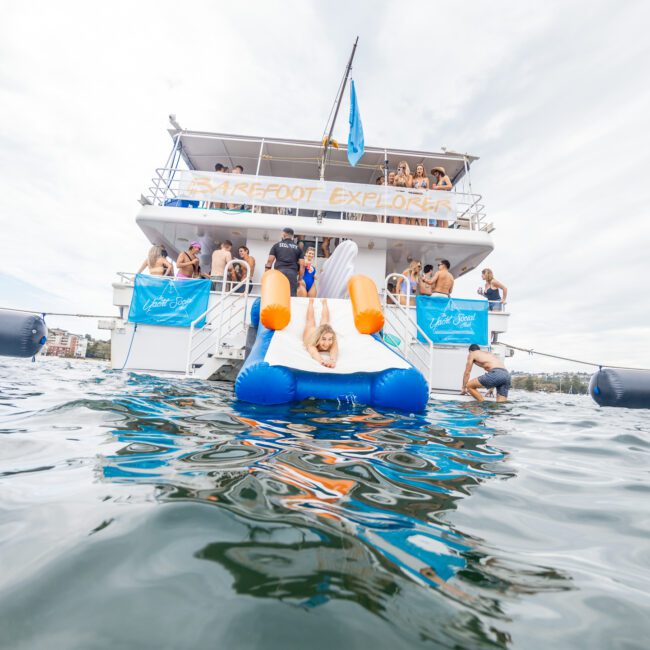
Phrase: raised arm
pixel 334 355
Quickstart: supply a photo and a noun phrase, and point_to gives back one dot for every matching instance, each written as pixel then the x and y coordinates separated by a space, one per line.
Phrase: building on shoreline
pixel 61 343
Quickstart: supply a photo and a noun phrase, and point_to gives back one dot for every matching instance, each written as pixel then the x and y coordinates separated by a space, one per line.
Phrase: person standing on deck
pixel 187 264
pixel 288 258
pixel 239 271
pixel 425 284
pixel 496 302
pixel 441 182
pixel 442 282
pixel 496 376
pixel 220 259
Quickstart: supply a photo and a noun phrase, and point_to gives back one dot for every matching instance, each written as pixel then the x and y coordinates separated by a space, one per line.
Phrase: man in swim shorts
pixel 442 282
pixel 496 376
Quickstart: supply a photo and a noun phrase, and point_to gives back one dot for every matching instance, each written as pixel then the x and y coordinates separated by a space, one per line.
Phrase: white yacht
pixel 282 186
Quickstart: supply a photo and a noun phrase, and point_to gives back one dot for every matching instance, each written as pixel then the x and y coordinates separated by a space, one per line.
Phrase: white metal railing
pixel 470 210
pixel 397 317
pixel 232 309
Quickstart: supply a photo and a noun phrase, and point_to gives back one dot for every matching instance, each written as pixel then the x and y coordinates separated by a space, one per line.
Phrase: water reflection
pixel 339 504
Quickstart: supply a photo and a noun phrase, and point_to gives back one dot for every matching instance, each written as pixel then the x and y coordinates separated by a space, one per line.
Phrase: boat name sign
pixel 316 195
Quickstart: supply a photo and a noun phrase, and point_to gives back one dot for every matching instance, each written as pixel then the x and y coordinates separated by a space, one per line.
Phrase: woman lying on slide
pixel 322 339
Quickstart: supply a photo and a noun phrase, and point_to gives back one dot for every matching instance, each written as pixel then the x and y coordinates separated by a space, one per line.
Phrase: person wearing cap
pixel 440 181
pixel 288 258
pixel 220 258
pixel 188 262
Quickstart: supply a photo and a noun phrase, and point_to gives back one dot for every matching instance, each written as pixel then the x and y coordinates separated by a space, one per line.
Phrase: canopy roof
pixel 300 158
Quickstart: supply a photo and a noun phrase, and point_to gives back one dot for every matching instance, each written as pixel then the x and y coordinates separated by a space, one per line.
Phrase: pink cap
pixel 195 244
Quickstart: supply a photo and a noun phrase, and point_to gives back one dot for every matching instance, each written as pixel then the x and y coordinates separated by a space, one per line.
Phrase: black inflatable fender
pixel 618 387
pixel 21 335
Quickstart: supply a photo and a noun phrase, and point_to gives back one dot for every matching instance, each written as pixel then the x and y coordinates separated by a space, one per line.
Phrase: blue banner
pixel 452 320
pixel 166 301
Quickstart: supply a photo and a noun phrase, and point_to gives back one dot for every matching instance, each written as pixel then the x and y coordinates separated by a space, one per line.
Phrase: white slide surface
pixel 357 352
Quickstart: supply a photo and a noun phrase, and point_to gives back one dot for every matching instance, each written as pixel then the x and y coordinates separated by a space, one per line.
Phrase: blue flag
pixel 355 138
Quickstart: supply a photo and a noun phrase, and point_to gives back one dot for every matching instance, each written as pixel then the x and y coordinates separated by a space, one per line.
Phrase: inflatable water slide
pixel 279 369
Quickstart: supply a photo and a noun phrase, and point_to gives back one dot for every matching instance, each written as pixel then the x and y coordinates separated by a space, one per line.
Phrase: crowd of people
pixel 402 177
pixel 297 262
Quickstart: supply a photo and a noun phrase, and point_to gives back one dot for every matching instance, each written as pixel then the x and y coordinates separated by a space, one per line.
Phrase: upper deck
pixel 281 186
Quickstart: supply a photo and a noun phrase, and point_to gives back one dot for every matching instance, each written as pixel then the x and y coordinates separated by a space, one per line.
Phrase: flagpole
pixel 326 144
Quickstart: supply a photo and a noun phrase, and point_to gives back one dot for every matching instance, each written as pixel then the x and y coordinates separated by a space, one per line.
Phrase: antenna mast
pixel 326 143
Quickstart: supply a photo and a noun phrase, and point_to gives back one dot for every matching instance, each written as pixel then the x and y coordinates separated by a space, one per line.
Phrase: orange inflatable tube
pixel 275 310
pixel 368 316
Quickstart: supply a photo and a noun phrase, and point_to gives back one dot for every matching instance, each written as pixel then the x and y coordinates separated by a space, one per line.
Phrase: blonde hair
pixel 154 254
pixel 424 173
pixel 310 249
pixel 326 328
pixel 408 169
pixel 411 269
pixel 489 276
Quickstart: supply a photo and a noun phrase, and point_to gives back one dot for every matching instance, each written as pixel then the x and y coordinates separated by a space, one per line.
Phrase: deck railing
pixel 419 352
pixel 166 186
pixel 228 321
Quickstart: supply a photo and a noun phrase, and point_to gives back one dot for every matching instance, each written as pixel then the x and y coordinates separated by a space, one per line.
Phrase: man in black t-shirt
pixel 288 258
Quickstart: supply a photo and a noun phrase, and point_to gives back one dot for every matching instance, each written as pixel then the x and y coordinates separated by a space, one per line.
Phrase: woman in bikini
pixel 420 182
pixel 440 182
pixel 413 277
pixel 322 339
pixel 307 286
pixel 157 262
pixel 403 178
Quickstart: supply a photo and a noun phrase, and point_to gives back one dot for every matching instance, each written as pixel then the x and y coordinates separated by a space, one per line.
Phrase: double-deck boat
pixel 282 186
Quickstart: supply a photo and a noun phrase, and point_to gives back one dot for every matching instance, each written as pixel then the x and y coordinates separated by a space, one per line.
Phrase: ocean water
pixel 140 512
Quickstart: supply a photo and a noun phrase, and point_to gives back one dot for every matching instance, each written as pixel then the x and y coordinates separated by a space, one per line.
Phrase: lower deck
pixel 218 349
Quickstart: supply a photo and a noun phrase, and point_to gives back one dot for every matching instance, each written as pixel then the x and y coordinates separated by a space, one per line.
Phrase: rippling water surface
pixel 141 512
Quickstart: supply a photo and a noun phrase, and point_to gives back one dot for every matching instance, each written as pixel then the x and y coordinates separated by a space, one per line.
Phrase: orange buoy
pixel 275 311
pixel 368 316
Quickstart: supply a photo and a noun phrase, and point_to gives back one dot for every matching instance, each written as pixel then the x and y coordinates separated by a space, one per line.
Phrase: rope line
pixel 556 356
pixel 54 313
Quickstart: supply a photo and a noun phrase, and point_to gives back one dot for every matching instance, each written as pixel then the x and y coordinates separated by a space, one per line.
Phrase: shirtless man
pixel 425 284
pixel 187 264
pixel 496 376
pixel 220 258
pixel 240 274
pixel 442 282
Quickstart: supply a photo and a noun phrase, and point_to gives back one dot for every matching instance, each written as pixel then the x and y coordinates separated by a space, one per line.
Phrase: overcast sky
pixel 554 97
